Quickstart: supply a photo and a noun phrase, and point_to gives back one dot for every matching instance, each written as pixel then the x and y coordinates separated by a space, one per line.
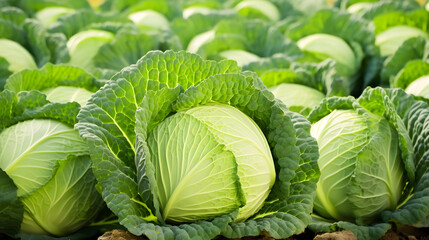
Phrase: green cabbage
pixel 361 169
pixel 17 56
pixel 391 39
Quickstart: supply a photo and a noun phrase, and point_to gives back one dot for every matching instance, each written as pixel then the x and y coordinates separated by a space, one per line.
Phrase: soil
pixel 403 233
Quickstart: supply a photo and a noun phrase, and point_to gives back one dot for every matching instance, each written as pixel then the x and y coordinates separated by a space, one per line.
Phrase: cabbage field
pixel 214 119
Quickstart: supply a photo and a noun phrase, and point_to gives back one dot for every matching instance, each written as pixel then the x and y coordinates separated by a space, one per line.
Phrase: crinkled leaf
pixel 415 115
pixel 27 105
pixel 377 102
pixel 51 76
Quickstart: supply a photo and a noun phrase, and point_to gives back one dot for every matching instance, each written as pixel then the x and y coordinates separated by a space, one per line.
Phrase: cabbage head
pixel 190 148
pixel 46 164
pixel 373 162
pixel 361 169
pixel 43 159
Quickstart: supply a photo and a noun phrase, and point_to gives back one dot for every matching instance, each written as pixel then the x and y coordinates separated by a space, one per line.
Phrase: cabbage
pixel 323 46
pixel 191 148
pixel 361 169
pixel 149 19
pixel 47 165
pixel 258 8
pixel 391 39
pixel 297 97
pixel 17 56
pixel 57 192
pixel 84 45
pixel 373 162
pixel 50 15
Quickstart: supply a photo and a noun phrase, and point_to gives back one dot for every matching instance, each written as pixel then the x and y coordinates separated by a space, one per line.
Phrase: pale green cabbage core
pixel 419 87
pixel 83 46
pixel 149 19
pixel 204 158
pixel 50 15
pixel 187 12
pixel 360 165
pixel 64 94
pixel 57 193
pixel 241 56
pixel 297 96
pixel 324 46
pixel 260 7
pixel 199 40
pixel 17 56
pixel 391 39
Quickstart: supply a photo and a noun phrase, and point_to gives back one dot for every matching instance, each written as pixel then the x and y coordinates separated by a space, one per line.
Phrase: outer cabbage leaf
pixel 52 76
pixel 27 105
pixel 415 117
